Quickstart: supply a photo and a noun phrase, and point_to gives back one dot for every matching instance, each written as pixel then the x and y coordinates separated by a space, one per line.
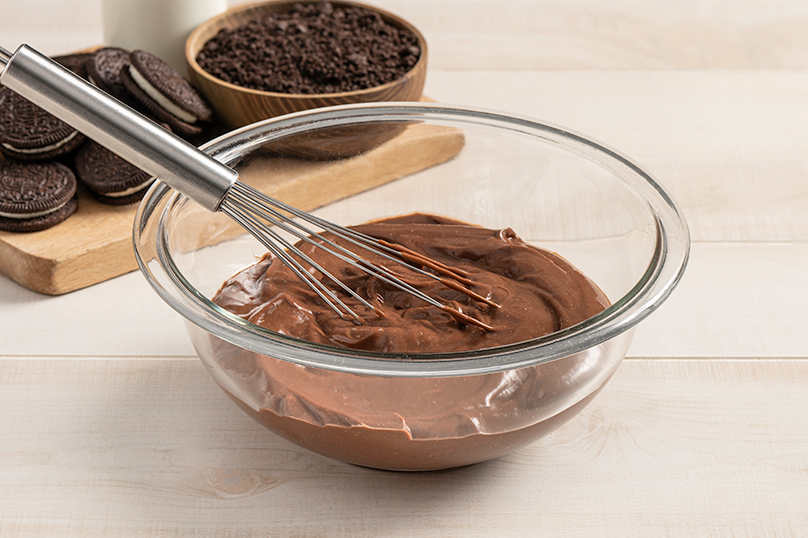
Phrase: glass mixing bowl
pixel 557 189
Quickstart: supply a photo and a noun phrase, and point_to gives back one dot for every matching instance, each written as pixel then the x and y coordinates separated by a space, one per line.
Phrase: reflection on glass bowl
pixel 557 189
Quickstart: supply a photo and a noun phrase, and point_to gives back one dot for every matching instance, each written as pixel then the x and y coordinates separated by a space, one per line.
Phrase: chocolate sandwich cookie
pixel 75 62
pixel 35 196
pixel 165 93
pixel 29 133
pixel 111 179
pixel 103 70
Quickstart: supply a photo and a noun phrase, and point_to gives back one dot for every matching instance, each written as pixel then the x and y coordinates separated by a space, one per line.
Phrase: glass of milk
pixel 157 26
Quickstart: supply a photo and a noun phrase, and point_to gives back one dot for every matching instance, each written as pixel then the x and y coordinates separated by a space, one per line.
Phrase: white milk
pixel 157 26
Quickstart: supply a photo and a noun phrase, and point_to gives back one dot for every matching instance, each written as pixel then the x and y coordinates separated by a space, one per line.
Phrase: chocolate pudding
pixel 519 292
pixel 534 292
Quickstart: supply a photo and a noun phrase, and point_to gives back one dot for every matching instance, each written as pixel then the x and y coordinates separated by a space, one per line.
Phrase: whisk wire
pixel 394 253
pixel 258 231
pixel 258 213
pixel 210 183
pixel 265 211
pixel 255 213
pixel 370 244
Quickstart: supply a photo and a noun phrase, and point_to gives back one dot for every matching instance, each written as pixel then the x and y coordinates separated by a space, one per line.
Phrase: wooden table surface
pixel 109 425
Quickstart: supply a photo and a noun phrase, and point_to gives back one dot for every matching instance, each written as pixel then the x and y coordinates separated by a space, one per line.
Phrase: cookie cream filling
pixel 127 192
pixel 33 215
pixel 159 98
pixel 43 149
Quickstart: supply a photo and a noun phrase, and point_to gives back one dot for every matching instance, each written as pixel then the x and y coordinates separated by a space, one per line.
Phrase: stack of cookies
pixel 46 160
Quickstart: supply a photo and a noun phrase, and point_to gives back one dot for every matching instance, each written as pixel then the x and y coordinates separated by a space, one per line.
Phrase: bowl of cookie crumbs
pixel 263 60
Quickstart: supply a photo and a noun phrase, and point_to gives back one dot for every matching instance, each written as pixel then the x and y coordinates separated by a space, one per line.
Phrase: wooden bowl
pixel 238 106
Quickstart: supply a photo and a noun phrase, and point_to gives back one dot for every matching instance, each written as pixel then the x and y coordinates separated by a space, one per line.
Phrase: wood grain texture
pixel 94 244
pixel 735 300
pixel 513 35
pixel 110 427
pixel 729 146
pixel 239 106
pixel 91 246
pixel 670 447
pixel 516 35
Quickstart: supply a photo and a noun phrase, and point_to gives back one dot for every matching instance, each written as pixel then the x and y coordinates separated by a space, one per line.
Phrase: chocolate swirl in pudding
pixel 538 292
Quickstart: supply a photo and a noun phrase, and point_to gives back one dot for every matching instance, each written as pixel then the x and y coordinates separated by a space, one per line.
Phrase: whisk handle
pixel 116 126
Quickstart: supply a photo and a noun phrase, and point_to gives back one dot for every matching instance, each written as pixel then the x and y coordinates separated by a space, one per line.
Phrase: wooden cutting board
pixel 95 244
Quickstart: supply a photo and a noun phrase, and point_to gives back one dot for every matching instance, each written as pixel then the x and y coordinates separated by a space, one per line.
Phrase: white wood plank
pixel 51 26
pixel 153 448
pixel 522 34
pixel 525 34
pixel 122 316
pixel 736 300
pixel 621 34
pixel 586 34
pixel 730 146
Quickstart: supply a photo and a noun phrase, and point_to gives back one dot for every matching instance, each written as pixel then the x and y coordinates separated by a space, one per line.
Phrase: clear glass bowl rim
pixel 663 273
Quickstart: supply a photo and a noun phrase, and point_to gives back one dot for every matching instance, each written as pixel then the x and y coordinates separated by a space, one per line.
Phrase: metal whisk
pixel 215 186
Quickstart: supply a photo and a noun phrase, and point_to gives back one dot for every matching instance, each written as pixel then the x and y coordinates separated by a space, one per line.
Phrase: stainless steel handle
pixel 116 126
